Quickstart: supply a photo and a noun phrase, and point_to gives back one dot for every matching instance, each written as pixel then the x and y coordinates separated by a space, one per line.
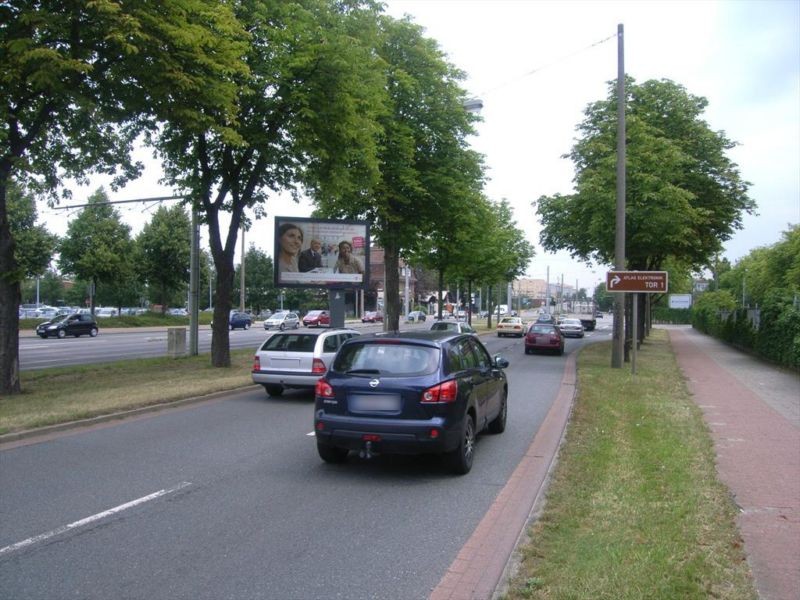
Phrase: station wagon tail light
pixel 323 389
pixel 318 367
pixel 256 363
pixel 442 393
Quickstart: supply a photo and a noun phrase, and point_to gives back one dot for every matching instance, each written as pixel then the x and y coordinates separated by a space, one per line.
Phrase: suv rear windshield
pixel 291 342
pixel 389 359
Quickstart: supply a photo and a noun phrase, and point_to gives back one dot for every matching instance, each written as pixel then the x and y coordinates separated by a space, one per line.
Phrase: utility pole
pixel 241 285
pixel 194 284
pixel 618 345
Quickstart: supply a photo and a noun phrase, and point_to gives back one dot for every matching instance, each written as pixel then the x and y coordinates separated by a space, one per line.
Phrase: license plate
pixel 285 363
pixel 374 403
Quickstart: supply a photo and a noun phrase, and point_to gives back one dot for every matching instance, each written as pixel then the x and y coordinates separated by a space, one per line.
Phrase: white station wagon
pixel 289 359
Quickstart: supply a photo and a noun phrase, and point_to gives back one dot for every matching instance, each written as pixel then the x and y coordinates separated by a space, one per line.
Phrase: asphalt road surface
pixel 228 499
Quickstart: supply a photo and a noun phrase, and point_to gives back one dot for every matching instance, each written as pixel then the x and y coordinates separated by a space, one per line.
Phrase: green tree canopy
pixel 684 196
pixel 162 254
pixel 98 246
pixel 35 245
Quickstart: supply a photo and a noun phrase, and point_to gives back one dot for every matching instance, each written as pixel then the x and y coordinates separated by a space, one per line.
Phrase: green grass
pixel 634 509
pixel 145 320
pixel 59 395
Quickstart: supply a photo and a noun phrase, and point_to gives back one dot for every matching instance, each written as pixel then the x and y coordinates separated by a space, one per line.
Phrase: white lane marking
pixel 101 515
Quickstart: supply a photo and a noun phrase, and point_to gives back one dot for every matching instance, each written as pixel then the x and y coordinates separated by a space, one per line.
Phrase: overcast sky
pixel 537 65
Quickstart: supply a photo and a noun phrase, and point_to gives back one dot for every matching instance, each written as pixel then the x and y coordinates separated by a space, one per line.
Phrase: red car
pixel 372 316
pixel 317 318
pixel 544 336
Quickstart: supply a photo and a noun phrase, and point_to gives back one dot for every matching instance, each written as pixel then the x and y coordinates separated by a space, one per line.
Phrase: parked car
pixel 413 392
pixel 372 316
pixel 105 312
pixel 317 318
pixel 571 328
pixel 455 326
pixel 178 312
pixel 415 316
pixel 510 326
pixel 283 319
pixel 544 336
pixel 238 320
pixel 74 324
pixel 296 359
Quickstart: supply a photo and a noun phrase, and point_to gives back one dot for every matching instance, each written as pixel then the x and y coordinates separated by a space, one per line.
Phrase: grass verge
pixel 64 394
pixel 634 508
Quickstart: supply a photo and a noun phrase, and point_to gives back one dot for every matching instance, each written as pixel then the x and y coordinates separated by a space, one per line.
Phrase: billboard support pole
pixel 336 306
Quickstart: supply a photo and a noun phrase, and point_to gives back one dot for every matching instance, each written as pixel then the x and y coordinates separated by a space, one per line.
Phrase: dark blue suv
pixel 410 393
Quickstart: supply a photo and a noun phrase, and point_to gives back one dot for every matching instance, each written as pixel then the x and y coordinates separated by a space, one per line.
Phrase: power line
pixel 547 65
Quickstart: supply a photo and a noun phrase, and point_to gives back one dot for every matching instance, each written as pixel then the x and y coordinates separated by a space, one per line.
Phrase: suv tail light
pixel 256 363
pixel 442 393
pixel 323 389
pixel 318 367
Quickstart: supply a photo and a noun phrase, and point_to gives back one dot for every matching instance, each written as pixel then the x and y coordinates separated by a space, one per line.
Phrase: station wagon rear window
pixel 291 342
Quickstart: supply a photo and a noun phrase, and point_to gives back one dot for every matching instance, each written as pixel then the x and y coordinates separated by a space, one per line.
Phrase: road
pixel 228 499
pixel 113 345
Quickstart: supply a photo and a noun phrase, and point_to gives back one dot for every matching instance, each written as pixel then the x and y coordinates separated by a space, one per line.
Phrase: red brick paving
pixel 758 458
pixel 479 567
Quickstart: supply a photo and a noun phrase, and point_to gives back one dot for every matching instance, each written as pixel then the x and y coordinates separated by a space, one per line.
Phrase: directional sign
pixel 643 282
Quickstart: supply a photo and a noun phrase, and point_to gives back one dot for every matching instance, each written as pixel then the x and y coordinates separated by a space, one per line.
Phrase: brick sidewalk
pixel 757 442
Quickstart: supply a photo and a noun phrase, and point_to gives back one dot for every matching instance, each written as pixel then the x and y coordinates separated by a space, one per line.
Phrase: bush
pixel 779 334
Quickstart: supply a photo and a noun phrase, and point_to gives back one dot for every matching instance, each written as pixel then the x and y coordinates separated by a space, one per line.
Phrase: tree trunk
pixel 489 306
pixel 9 303
pixel 220 337
pixel 391 261
pixel 440 300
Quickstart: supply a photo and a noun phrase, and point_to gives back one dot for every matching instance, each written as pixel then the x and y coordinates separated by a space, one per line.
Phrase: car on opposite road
pixel 296 359
pixel 239 320
pixel 510 326
pixel 372 316
pixel 317 318
pixel 571 327
pixel 415 316
pixel 283 319
pixel 413 392
pixel 74 324
pixel 456 326
pixel 544 336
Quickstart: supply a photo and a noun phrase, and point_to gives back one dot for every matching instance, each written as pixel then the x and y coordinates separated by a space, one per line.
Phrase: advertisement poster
pixel 321 253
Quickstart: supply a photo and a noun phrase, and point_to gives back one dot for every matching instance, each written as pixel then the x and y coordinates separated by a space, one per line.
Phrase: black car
pixel 410 393
pixel 75 324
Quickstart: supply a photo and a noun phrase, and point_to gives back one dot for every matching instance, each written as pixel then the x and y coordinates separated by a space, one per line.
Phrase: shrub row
pixel 777 337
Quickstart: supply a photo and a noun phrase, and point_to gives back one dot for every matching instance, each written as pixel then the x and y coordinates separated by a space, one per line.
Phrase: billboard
pixel 680 300
pixel 321 253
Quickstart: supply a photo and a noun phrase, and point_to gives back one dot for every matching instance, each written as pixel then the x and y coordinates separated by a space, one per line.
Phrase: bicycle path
pixel 752 410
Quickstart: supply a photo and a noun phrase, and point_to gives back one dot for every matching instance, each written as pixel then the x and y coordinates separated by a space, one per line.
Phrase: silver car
pixel 571 328
pixel 454 326
pixel 290 359
pixel 282 320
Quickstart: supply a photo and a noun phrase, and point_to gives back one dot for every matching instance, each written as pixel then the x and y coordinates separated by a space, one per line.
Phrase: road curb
pixel 486 561
pixel 50 431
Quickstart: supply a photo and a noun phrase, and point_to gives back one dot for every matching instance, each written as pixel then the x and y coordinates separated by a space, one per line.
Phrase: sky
pixel 536 65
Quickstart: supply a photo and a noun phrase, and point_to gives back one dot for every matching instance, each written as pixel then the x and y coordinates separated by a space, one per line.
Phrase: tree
pixel 98 247
pixel 684 196
pixel 74 104
pixel 307 120
pixel 260 292
pixel 162 254
pixel 427 173
pixel 35 245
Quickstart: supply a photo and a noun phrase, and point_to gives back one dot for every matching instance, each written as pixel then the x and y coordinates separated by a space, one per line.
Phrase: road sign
pixel 643 282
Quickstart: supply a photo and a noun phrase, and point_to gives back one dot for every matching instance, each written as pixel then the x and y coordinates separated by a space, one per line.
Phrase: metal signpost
pixel 637 282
